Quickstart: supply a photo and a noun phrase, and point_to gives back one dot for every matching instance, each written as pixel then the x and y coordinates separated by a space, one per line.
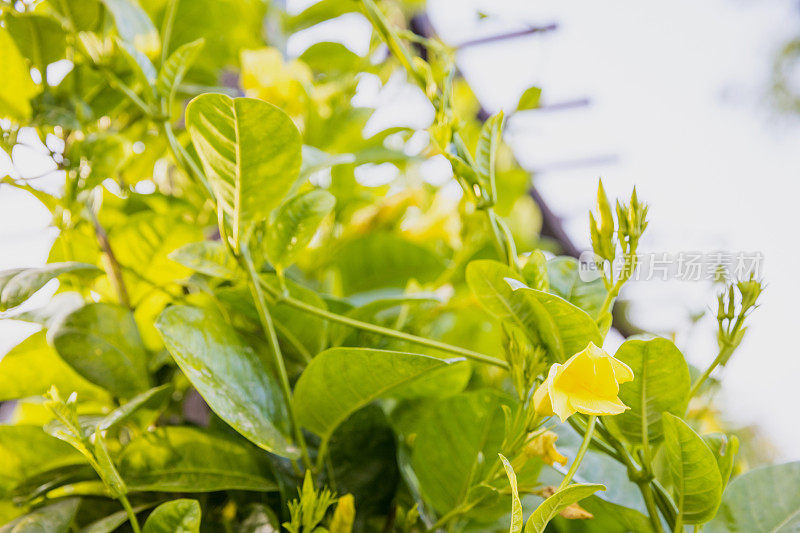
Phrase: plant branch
pixel 112 266
pixel 272 338
pixel 587 438
pixel 380 330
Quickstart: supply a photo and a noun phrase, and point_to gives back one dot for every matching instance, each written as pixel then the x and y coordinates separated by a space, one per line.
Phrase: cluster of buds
pixel 731 314
pixel 526 361
pixel 631 223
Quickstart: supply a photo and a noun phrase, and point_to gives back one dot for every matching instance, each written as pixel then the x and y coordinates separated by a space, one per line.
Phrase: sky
pixel 678 105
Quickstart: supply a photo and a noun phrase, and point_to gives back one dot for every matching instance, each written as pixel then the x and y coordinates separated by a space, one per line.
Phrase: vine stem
pixel 380 330
pixel 272 338
pixel 587 439
pixel 131 514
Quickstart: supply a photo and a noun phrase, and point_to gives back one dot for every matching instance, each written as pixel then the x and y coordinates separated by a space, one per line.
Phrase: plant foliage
pixel 250 333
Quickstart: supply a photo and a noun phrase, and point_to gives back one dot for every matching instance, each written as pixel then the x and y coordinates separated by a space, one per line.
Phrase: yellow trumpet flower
pixel 587 383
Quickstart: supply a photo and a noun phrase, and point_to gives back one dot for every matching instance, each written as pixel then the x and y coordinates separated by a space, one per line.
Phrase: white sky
pixel 679 96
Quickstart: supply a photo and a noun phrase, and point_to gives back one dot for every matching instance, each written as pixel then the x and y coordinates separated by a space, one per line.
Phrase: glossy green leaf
pixel 133 25
pixel 33 366
pixel 101 342
pixel 556 503
pixel 175 68
pixel 235 380
pixel 186 459
pixel 530 99
pixel 724 447
pixel 251 153
pixel 177 516
pixel 54 518
pixel 765 499
pixel 456 443
pixel 17 88
pixel 694 471
pixel 295 224
pixel 661 384
pixel 516 503
pixel 211 258
pixel 547 319
pixel 19 284
pixel 565 281
pixel 41 39
pixel 486 151
pixel 339 381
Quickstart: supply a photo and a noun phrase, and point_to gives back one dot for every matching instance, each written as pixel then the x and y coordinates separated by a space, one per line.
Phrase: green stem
pixel 166 29
pixel 183 158
pixel 272 338
pixel 724 352
pixel 587 439
pixel 380 330
pixel 649 502
pixel 131 514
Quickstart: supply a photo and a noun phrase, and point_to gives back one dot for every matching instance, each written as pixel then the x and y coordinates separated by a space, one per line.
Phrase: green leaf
pixel 380 260
pixel 17 88
pixel 27 451
pixel 33 366
pixel 556 503
pixel 547 319
pixel 41 39
pixel 177 516
pixel 764 499
pixel 186 459
pixel 724 447
pixel 564 279
pixel 133 25
pixel 17 285
pixel 175 68
pixel 456 443
pixel 301 334
pixel 101 342
pixel 233 378
pixel 211 258
pixel 107 471
pixel 148 399
pixel 529 99
pixel 363 455
pixel 110 523
pixel 54 518
pixel 251 153
pixel 295 224
pixel 319 12
pixel 694 471
pixel 661 384
pixel 516 504
pixel 339 381
pixel 487 150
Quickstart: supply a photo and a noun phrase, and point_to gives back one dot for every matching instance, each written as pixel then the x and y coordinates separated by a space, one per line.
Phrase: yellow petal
pixel 597 406
pixel 622 372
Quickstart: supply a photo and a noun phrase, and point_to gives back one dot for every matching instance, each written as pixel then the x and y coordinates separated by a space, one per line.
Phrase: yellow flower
pixel 587 383
pixel 267 76
pixel 544 446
